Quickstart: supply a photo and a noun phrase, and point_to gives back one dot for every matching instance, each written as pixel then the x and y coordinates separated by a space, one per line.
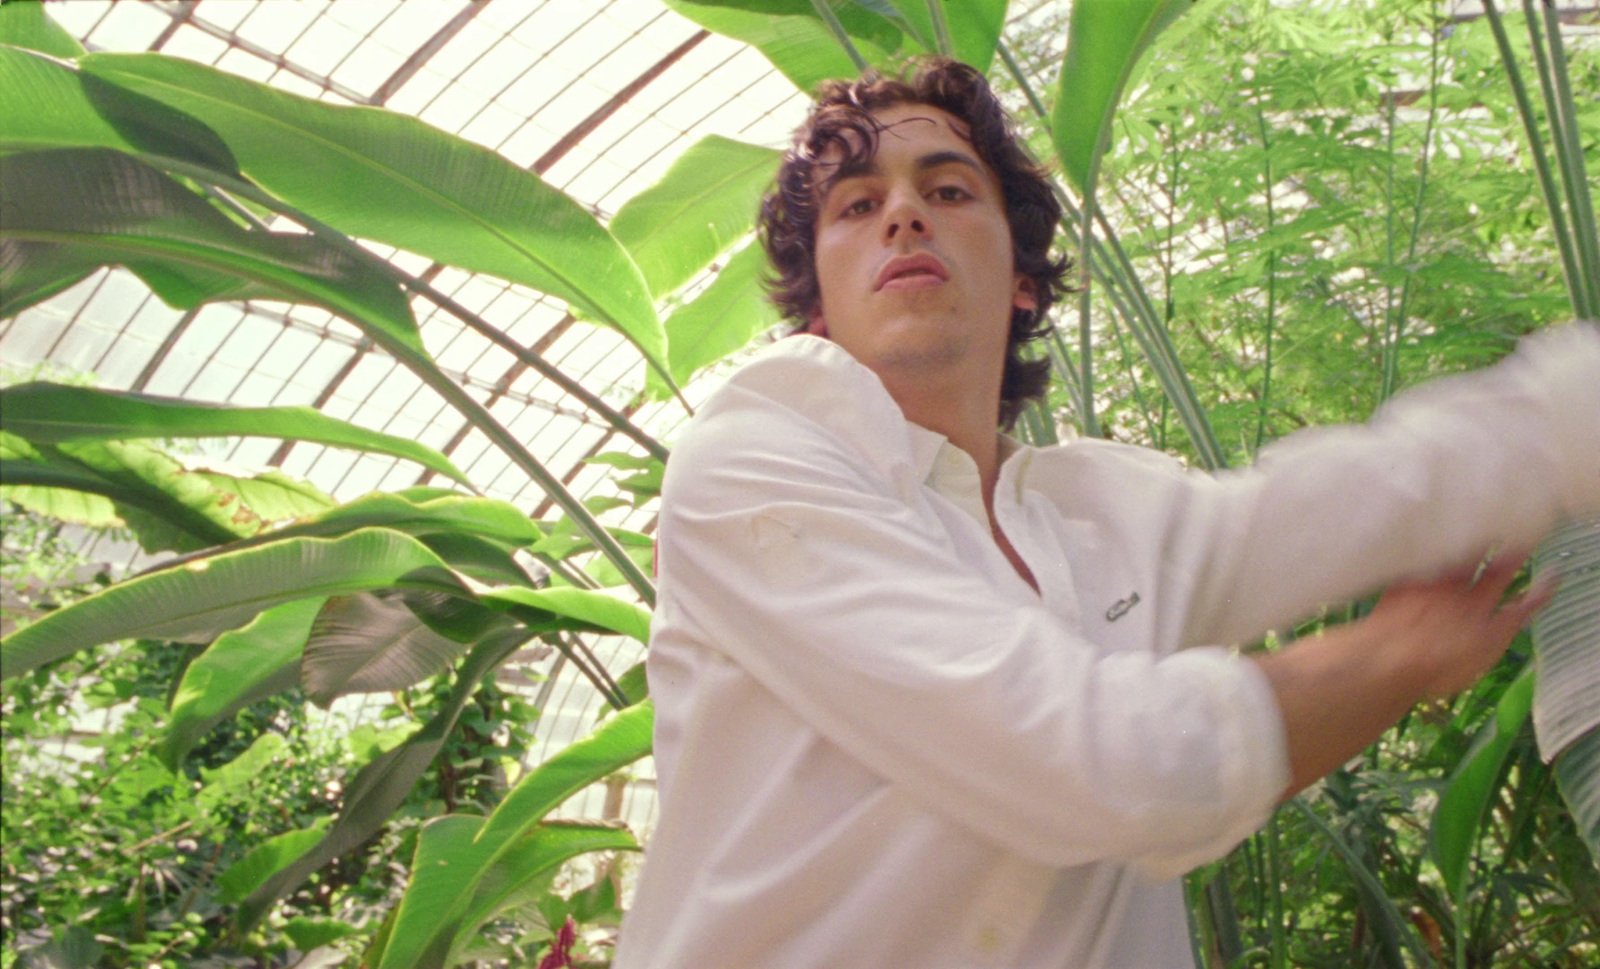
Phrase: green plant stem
pixel 1280 939
pixel 1117 274
pixel 826 15
pixel 1386 918
pixel 1091 426
pixel 1272 282
pixel 1577 291
pixel 1564 128
pixel 1391 356
pixel 474 412
pixel 941 28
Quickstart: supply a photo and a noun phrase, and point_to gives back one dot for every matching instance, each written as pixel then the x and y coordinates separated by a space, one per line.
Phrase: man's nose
pixel 904 215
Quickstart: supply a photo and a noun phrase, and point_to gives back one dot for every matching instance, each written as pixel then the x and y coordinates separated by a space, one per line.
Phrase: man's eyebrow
pixel 862 167
pixel 935 159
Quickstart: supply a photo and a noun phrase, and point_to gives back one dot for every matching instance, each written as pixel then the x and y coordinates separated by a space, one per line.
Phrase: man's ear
pixel 1024 294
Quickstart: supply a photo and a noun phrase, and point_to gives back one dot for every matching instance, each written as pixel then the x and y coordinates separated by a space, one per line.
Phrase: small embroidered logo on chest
pixel 1121 607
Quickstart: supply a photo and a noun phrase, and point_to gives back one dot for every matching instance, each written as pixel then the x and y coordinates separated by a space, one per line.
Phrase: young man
pixel 929 698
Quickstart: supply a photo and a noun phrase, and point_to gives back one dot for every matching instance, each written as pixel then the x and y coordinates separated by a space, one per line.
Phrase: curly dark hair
pixel 842 119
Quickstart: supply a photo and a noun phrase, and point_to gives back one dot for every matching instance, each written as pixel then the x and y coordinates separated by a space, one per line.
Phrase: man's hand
pixel 1338 692
pixel 1451 630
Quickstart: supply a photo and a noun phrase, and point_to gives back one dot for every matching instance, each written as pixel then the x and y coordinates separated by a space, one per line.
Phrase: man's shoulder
pixel 800 394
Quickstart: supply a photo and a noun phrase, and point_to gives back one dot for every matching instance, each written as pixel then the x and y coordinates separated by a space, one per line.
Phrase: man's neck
pixel 966 419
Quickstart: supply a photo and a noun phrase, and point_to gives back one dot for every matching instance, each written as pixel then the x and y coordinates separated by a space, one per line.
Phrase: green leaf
pixel 381 786
pixel 1576 771
pixel 722 319
pixel 391 178
pixel 427 512
pixel 706 202
pixel 52 105
pixel 262 862
pixel 453 889
pixel 53 413
pixel 531 862
pixel 597 609
pixel 1473 784
pixel 259 660
pixel 634 684
pixel 790 35
pixel 619 741
pixel 307 934
pixel 1566 639
pixel 975 26
pixel 1105 40
pixel 168 504
pixel 225 591
pixel 432 912
pixel 370 643
pixel 32 272
pixel 118 208
pixel 25 24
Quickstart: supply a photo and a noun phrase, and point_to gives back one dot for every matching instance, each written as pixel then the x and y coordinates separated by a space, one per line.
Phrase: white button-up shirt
pixel 877 746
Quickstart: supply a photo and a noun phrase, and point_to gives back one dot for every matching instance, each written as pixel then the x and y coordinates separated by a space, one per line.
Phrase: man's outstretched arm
pixel 1340 691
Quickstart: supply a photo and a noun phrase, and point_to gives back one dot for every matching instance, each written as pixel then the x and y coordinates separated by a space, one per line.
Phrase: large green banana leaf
pixel 211 595
pixel 1475 781
pixel 429 921
pixel 112 205
pixel 380 787
pixel 49 104
pixel 25 25
pixel 394 179
pixel 722 319
pixel 1566 705
pixel 791 35
pixel 370 643
pixel 974 26
pixel 705 203
pixel 169 504
pixel 1105 39
pixel 52 413
pixel 432 926
pixel 248 664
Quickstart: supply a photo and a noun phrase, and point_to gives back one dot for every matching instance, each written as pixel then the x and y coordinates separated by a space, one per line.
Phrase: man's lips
pixel 911 272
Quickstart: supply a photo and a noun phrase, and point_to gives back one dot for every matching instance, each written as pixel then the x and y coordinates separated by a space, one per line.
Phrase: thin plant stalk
pixel 1091 427
pixel 1148 328
pixel 1577 290
pixel 826 15
pixel 941 28
pixel 1272 282
pixel 1391 355
pixel 1564 128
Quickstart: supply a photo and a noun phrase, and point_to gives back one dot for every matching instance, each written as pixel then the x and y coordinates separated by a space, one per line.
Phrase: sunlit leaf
pixel 1105 40
pixel 597 609
pixel 1461 808
pixel 215 594
pixel 262 862
pixel 790 35
pixel 257 661
pixel 394 179
pixel 25 24
pixel 705 203
pixel 53 413
pixel 721 320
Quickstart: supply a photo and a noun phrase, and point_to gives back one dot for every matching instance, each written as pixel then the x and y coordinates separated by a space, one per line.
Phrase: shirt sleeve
pixel 786 550
pixel 1441 475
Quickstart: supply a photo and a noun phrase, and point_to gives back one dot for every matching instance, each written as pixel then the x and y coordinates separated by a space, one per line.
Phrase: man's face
pixel 914 256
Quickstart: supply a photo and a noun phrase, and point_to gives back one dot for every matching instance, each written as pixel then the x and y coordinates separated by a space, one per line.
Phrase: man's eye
pixel 951 193
pixel 858 207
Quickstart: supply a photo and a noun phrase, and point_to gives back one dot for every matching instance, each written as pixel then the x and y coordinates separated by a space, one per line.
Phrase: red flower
pixel 560 956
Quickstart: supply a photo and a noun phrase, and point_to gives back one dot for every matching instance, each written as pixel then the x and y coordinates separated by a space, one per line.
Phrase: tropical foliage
pixel 1282 214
